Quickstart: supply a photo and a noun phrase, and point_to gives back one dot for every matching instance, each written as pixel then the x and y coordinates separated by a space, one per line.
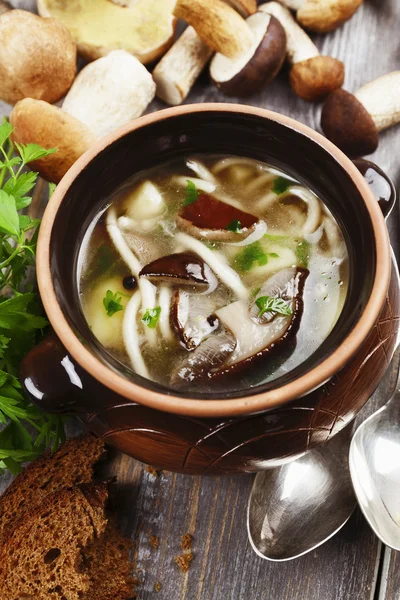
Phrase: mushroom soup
pixel 213 273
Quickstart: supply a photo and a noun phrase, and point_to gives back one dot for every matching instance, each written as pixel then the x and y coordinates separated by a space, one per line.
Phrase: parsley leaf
pixel 235 226
pixel 20 187
pixel 9 222
pixel 252 255
pixel 273 305
pixel 112 303
pixel 281 184
pixel 192 193
pixel 151 317
pixel 31 152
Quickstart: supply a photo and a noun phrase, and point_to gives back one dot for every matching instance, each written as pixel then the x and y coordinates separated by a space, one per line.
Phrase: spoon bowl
pixel 375 470
pixel 300 505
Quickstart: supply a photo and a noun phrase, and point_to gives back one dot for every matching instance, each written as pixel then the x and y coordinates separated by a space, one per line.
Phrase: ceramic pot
pixel 224 433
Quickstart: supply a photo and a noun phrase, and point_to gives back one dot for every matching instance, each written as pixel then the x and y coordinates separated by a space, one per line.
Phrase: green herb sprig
pixel 273 305
pixel 151 317
pixel 25 431
pixel 281 184
pixel 252 255
pixel 192 193
pixel 112 303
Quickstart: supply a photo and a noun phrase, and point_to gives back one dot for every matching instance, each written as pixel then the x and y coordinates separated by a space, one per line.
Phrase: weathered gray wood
pixel 214 510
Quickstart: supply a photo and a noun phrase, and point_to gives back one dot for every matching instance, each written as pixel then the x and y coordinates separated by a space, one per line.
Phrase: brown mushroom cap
pixel 257 67
pixel 145 28
pixel 181 268
pixel 244 7
pixel 315 78
pixel 38 122
pixel 37 57
pixel 347 124
pixel 326 15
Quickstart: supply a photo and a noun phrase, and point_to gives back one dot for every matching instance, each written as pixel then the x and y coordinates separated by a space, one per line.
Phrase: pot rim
pixel 203 407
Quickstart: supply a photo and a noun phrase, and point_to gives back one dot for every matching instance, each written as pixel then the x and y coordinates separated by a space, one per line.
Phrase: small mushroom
pixel 257 337
pixel 312 76
pixel 245 74
pixel 181 268
pixel 353 121
pixel 50 127
pixel 323 15
pixel 217 24
pixel 110 92
pixel 37 57
pixel 177 71
pixel 213 219
pixel 243 7
pixel 191 317
pixel 144 28
pixel 210 355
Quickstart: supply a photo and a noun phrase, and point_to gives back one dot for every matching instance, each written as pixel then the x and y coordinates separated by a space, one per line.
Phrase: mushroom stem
pixel 110 92
pixel 353 121
pixel 217 24
pixel 177 71
pixel 323 15
pixel 381 99
pixel 312 76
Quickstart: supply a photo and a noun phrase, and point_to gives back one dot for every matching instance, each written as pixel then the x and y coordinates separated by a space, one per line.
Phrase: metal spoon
pixel 299 506
pixel 375 470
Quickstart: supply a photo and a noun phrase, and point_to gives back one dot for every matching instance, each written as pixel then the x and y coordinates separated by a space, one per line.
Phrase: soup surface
pixel 213 273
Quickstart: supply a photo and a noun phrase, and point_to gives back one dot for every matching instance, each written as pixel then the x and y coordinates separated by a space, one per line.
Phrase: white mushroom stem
pixel 314 208
pixel 381 99
pixel 201 170
pixel 299 45
pixel 201 184
pixel 110 92
pixel 164 300
pixel 130 335
pixel 216 262
pixel 177 71
pixel 293 4
pixel 217 24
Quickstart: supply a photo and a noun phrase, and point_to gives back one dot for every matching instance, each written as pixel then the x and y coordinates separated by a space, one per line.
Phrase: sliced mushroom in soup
pixel 213 272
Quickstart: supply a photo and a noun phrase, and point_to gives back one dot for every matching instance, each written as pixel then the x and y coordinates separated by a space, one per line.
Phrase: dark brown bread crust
pixel 72 464
pixel 42 557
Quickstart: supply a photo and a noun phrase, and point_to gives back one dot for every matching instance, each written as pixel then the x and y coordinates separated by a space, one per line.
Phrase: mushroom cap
pixel 347 124
pixel 110 92
pixel 38 122
pixel 326 15
pixel 181 268
pixel 316 77
pixel 37 57
pixel 144 28
pixel 245 75
pixel 243 7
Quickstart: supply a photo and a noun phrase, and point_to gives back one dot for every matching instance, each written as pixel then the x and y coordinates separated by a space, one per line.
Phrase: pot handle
pixel 52 380
pixel 381 185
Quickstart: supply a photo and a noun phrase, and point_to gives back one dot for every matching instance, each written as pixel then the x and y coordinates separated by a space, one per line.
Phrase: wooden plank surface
pixel 351 566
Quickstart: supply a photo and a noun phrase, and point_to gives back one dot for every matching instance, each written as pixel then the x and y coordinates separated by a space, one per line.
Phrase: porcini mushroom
pixel 353 121
pixel 312 76
pixel 243 75
pixel 110 92
pixel 179 68
pixel 243 7
pixel 217 24
pixel 145 28
pixel 323 15
pixel 37 57
pixel 50 127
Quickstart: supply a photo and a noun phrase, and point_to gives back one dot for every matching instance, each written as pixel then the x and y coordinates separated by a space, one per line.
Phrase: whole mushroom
pixel 145 28
pixel 37 57
pixel 323 15
pixel 245 74
pixel 353 121
pixel 312 76
pixel 107 94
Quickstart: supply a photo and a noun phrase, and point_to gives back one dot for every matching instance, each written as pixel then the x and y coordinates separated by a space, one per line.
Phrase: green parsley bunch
pixel 25 431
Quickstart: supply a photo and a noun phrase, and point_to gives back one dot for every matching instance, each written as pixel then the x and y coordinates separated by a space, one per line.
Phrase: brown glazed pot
pixel 247 430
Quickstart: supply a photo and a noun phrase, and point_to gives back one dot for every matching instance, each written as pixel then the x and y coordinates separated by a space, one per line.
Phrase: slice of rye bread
pixel 41 559
pixel 106 562
pixel 71 464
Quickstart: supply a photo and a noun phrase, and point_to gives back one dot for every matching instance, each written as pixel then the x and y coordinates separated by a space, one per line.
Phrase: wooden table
pixel 353 565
